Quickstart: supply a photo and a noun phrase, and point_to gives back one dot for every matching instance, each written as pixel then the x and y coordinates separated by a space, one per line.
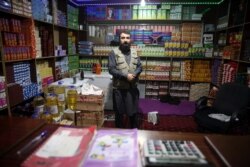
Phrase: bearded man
pixel 125 67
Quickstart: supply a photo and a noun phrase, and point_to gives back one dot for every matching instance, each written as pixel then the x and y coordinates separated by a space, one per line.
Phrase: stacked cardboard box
pixel 91 110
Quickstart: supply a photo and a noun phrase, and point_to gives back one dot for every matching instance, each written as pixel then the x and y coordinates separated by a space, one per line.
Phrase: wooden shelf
pixel 60 56
pixel 146 21
pixel 42 21
pixel 15 14
pixel 60 26
pixel 44 58
pixel 11 61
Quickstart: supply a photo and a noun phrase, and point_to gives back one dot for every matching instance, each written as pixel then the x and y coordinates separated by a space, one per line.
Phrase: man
pixel 125 67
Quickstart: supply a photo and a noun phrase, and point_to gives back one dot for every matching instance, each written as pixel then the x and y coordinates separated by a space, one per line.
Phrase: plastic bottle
pixel 71 98
pixel 98 69
pixel 39 103
pixel 82 75
pixel 52 105
pixel 60 93
pixel 47 117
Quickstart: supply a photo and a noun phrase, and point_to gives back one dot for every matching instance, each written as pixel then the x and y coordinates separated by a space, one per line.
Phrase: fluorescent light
pixel 143 3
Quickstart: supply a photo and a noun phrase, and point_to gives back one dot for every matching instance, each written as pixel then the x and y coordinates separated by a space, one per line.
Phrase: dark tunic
pixel 125 101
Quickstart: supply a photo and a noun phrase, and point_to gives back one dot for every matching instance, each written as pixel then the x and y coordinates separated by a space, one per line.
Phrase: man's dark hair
pixel 124 32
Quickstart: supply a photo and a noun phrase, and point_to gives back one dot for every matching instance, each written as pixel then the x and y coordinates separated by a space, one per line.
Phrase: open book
pixel 65 147
pixel 116 148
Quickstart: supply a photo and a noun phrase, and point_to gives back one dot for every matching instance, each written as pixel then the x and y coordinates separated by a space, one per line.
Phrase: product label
pixel 39 109
pixel 53 109
pixel 61 97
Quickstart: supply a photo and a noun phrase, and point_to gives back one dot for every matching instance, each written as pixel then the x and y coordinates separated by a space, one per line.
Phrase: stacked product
pixel 28 28
pixel 15 43
pixel 38 44
pixel 46 41
pixel 3 102
pixel 152 90
pixel 179 89
pixel 102 50
pixel 198 90
pixel 104 65
pixel 163 88
pixel 229 72
pixel 22 77
pixel 61 67
pixel 216 71
pixel 59 17
pixel 191 32
pixel 27 8
pixel 157 70
pixel 22 7
pixel 59 51
pixel 187 12
pixel 85 47
pixel 41 10
pixel 72 14
pixel 45 72
pixel 186 70
pixel 71 43
pixel 17 6
pixel 136 35
pixel 175 12
pixel 152 51
pixel 151 12
pixel 176 71
pixel 176 49
pixel 73 62
pixel 96 12
pixel 87 63
pixel 5 5
pixel 121 14
pixel 90 105
pixel 197 52
pixel 201 71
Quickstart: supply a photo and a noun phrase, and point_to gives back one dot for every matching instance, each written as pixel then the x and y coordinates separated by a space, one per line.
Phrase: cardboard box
pixel 87 106
pixel 90 98
pixel 87 118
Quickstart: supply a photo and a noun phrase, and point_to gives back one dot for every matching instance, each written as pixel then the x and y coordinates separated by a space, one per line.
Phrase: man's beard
pixel 125 48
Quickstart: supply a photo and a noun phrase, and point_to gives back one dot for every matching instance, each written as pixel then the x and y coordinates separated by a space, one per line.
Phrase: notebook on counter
pixel 116 148
pixel 65 147
pixel 232 150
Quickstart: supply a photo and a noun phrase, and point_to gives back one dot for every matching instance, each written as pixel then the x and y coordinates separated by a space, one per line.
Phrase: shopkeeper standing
pixel 125 67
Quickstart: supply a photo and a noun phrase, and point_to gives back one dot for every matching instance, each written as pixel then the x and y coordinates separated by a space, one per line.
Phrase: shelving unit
pixel 157 80
pixel 53 30
pixel 231 61
pixel 45 32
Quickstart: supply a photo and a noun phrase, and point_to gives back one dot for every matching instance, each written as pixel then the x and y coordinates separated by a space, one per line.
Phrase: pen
pixel 32 143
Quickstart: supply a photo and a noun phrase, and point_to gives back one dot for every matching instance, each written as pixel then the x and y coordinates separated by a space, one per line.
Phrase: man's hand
pixel 130 77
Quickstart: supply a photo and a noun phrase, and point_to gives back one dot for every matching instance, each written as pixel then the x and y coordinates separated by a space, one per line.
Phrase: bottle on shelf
pixel 98 69
pixel 71 98
pixel 60 93
pixel 82 75
pixel 39 103
pixel 47 117
pixel 52 105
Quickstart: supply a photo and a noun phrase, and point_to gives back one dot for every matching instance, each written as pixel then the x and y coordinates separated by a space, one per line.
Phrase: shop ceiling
pixel 133 2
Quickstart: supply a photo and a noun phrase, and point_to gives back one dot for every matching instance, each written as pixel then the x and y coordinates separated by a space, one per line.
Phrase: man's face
pixel 125 43
pixel 125 38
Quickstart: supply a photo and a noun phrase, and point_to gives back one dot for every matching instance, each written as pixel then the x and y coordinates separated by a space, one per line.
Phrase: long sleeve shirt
pixel 118 74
